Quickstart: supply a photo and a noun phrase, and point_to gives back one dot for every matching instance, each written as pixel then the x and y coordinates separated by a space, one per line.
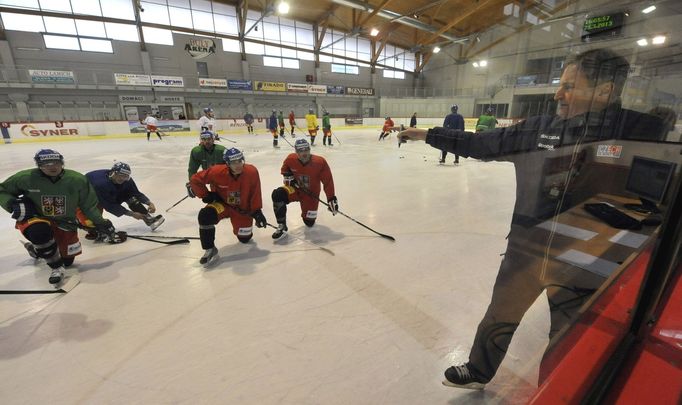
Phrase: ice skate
pixel 210 255
pixel 31 249
pixel 280 232
pixel 57 275
pixel 154 222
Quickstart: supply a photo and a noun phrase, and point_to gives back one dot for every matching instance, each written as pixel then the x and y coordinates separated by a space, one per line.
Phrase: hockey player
pixel 280 122
pixel 303 172
pixel 207 123
pixel 486 121
pixel 326 129
pixel 204 155
pixel 413 121
pixel 44 201
pixel 272 126
pixel 152 125
pixel 387 128
pixel 235 194
pixel 454 120
pixel 113 187
pixel 292 122
pixel 313 127
pixel 248 119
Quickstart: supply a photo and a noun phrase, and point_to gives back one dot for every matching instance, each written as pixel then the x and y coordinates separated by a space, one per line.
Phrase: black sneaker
pixel 280 232
pixel 461 377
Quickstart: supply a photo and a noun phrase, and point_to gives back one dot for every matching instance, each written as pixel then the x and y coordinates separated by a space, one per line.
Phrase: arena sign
pixel 200 48
pixel 130 79
pixel 41 130
pixel 317 88
pixel 297 88
pixel 206 82
pixel 270 86
pixel 167 81
pixel 359 91
pixel 52 76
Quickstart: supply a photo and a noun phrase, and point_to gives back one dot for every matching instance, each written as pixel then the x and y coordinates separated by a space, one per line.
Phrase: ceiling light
pixel 283 7
pixel 475 64
pixel 643 42
pixel 484 63
pixel 436 50
pixel 374 32
pixel 658 39
pixel 649 9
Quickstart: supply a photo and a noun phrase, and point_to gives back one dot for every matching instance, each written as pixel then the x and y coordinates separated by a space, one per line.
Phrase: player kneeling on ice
pixel 235 193
pixel 44 202
pixel 113 187
pixel 303 172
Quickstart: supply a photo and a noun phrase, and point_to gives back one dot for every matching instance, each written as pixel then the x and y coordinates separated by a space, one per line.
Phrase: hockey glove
pixel 211 198
pixel 258 216
pixel 333 205
pixel 22 209
pixel 106 228
pixel 290 180
pixel 190 192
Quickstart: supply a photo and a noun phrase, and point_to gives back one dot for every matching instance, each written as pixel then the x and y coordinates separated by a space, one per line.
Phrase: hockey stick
pixel 182 241
pixel 167 237
pixel 181 200
pixel 306 241
pixel 287 141
pixel 389 237
pixel 337 139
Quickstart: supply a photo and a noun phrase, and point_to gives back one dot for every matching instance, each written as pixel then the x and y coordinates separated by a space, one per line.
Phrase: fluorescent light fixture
pixel 436 50
pixel 475 64
pixel 484 63
pixel 374 32
pixel 283 7
pixel 25 48
pixel 649 9
pixel 658 39
pixel 643 42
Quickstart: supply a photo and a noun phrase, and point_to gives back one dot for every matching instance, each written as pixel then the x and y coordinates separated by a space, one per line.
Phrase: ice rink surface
pixel 376 323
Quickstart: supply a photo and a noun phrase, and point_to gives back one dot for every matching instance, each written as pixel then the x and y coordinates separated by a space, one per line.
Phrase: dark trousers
pixel 520 281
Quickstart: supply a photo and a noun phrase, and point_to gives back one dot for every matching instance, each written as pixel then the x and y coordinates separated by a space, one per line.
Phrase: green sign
pixel 603 27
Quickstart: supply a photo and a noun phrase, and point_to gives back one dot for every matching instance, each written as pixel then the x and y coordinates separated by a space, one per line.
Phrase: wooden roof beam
pixel 466 14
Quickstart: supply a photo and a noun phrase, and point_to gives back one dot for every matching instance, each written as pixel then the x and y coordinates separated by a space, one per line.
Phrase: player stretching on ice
pixel 207 122
pixel 113 187
pixel 234 193
pixel 326 129
pixel 44 202
pixel 303 172
pixel 204 155
pixel 292 122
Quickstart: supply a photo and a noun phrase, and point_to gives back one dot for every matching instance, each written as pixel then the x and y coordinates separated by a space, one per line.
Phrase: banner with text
pixel 317 88
pixel 206 82
pixel 297 88
pixel 136 127
pixel 335 89
pixel 167 81
pixel 52 76
pixel 270 86
pixel 239 85
pixel 359 91
pixel 128 79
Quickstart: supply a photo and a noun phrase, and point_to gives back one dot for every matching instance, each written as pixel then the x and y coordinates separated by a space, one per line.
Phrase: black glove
pixel 106 228
pixel 23 208
pixel 211 198
pixel 261 222
pixel 190 192
pixel 333 205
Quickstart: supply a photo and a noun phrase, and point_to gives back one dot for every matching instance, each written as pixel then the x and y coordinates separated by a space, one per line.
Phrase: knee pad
pixel 39 233
pixel 309 222
pixel 135 205
pixel 280 195
pixel 208 216
pixel 244 239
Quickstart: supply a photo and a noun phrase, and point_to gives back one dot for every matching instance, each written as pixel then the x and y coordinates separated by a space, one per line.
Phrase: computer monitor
pixel 649 180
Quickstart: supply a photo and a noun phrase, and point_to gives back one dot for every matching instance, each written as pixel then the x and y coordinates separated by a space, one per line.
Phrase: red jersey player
pixel 234 193
pixel 386 130
pixel 303 173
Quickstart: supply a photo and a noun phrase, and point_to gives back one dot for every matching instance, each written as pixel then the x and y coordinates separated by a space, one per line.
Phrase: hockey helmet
pixel 47 156
pixel 233 155
pixel 208 110
pixel 301 145
pixel 121 168
pixel 454 108
pixel 205 135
